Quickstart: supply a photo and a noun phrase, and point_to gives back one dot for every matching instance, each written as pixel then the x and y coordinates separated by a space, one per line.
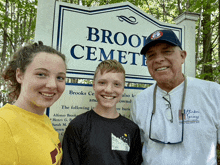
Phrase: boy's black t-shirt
pixel 91 139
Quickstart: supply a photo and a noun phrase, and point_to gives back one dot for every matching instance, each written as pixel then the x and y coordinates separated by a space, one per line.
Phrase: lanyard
pixel 183 99
pixel 182 111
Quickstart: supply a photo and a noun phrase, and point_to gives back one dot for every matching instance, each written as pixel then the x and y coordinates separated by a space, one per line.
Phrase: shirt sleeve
pixel 135 153
pixel 8 152
pixel 133 114
pixel 132 111
pixel 71 145
pixel 217 98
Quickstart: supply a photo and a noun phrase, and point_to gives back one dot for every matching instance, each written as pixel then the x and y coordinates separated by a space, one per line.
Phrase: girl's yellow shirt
pixel 27 138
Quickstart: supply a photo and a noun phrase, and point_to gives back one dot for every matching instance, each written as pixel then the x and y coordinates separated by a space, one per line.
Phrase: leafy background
pixel 18 20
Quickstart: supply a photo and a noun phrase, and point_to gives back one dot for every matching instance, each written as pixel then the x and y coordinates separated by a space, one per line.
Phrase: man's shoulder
pixel 200 83
pixel 146 92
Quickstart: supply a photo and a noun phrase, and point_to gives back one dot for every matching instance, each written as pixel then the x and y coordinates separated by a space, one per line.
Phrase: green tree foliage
pixel 207 27
pixel 18 20
pixel 208 46
pixel 90 3
pixel 207 30
pixel 17 26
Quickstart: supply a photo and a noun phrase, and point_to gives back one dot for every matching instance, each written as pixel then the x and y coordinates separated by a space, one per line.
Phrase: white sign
pixel 79 98
pixel 88 36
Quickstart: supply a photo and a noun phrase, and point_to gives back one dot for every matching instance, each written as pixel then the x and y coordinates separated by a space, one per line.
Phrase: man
pixel 179 116
pixel 102 136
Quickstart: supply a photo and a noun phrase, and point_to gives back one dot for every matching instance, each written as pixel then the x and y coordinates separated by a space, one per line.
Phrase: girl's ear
pixel 19 75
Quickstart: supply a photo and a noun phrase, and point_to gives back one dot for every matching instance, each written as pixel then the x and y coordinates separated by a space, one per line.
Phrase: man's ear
pixel 19 75
pixel 183 55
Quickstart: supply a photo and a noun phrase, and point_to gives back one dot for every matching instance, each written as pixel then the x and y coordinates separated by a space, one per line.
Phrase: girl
pixel 37 78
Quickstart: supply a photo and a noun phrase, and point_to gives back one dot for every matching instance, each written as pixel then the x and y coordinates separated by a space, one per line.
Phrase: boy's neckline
pixel 113 115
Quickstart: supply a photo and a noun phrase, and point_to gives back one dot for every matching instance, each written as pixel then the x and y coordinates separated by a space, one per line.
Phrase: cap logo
pixel 156 35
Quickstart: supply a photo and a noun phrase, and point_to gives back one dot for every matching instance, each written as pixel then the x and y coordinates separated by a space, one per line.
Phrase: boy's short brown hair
pixel 108 66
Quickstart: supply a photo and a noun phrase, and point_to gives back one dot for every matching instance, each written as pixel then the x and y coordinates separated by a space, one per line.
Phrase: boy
pixel 102 136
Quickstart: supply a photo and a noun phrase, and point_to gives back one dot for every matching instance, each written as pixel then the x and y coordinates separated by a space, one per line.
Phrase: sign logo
pixel 190 116
pixel 156 35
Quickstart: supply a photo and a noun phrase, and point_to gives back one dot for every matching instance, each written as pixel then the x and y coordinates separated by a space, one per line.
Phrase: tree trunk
pixel 207 47
pixel 219 36
pixel 5 38
pixel 198 37
pixel 179 8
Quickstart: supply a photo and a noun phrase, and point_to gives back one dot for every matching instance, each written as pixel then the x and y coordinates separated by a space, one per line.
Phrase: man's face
pixel 165 64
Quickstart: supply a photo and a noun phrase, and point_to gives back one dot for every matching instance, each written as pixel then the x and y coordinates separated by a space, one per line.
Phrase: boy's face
pixel 108 88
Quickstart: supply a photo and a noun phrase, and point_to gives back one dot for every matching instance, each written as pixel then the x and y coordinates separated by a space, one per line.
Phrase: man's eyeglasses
pixel 169 106
pixel 168 112
pixel 158 141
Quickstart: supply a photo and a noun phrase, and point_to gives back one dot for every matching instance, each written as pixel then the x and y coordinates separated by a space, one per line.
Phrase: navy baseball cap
pixel 161 35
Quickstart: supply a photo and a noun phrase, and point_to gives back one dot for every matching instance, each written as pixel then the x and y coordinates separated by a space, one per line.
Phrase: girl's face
pixel 42 83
